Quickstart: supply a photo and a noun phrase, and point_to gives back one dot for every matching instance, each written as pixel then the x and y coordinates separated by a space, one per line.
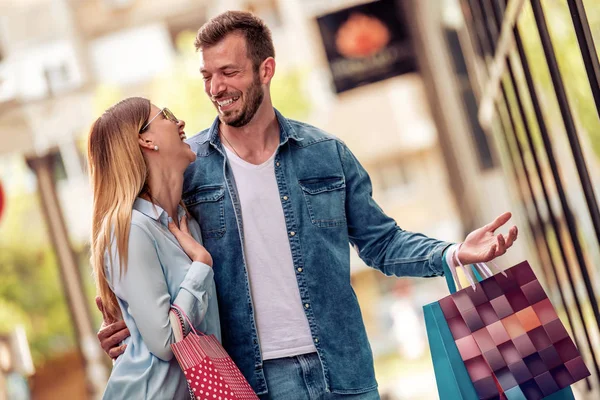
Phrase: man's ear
pixel 267 70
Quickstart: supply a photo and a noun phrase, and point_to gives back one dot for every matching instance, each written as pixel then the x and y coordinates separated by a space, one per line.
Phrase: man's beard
pixel 253 99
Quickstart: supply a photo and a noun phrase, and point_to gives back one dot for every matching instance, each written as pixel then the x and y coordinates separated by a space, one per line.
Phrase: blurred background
pixel 458 109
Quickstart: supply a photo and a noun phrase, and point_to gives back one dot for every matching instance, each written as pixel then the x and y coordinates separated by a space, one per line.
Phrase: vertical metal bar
pixel 480 30
pixel 560 190
pixel 478 47
pixel 534 227
pixel 554 222
pixel 526 124
pixel 493 30
pixel 587 47
pixel 584 177
pixel 537 227
pixel 497 11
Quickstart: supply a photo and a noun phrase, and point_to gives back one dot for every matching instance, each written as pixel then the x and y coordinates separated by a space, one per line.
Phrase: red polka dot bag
pixel 211 374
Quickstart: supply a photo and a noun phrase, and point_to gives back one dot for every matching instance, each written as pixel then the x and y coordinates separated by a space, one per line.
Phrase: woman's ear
pixel 145 143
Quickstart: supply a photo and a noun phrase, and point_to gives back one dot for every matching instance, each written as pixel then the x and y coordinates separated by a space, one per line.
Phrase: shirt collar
pixel 286 130
pixel 154 211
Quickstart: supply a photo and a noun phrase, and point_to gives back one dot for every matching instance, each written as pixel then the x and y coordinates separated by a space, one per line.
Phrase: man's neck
pixel 256 141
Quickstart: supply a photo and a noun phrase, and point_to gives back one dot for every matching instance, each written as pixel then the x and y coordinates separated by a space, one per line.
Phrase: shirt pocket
pixel 207 205
pixel 325 199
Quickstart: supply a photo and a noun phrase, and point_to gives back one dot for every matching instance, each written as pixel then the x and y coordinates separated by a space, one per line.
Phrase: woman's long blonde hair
pixel 118 175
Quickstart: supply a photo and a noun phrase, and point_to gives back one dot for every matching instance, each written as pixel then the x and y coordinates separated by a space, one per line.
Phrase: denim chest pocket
pixel 207 205
pixel 325 199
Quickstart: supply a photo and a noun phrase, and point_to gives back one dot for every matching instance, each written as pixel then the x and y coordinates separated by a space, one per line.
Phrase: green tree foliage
pixel 30 289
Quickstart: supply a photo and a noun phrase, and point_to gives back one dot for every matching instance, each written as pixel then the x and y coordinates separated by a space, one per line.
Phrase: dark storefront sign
pixel 366 43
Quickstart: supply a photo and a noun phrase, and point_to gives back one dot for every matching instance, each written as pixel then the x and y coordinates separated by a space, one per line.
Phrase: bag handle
pixel 184 315
pixel 176 323
pixel 476 273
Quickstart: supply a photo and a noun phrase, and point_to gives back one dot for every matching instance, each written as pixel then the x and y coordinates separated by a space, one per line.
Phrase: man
pixel 278 202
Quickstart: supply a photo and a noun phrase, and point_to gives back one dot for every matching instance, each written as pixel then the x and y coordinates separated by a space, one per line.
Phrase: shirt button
pixel 306 305
pixel 292 233
pixel 299 269
pixel 285 197
pixel 316 340
pixel 277 163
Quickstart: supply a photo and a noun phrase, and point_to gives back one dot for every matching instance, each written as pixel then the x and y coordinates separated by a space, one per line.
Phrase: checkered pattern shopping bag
pixel 501 339
pixel 210 373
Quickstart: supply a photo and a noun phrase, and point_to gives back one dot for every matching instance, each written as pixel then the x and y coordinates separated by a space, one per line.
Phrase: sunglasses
pixel 166 113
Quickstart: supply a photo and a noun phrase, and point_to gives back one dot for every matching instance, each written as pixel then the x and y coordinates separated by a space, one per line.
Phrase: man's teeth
pixel 227 102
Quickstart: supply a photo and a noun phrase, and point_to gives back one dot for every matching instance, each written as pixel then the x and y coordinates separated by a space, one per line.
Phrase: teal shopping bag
pixel 452 378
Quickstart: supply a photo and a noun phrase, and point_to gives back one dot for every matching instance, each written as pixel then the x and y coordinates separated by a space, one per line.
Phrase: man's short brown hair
pixel 259 43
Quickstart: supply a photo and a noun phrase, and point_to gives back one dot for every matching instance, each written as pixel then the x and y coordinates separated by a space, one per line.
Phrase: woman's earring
pixel 155 148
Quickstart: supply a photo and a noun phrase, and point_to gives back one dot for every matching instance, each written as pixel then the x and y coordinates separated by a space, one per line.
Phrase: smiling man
pixel 278 202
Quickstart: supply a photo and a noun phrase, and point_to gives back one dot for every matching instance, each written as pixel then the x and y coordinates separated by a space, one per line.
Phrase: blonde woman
pixel 146 252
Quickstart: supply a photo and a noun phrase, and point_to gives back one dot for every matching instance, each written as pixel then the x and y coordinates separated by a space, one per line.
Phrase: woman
pixel 146 253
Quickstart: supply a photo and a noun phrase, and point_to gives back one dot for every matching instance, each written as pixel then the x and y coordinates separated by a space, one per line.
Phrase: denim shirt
pixel 326 198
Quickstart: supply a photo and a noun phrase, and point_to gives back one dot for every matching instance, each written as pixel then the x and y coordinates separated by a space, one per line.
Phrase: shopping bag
pixel 453 381
pixel 507 337
pixel 210 372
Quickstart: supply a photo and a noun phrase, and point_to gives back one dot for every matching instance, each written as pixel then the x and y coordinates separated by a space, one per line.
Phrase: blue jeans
pixel 301 378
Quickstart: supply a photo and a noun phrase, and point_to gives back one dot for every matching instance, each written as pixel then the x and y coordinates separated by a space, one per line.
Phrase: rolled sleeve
pixel 195 292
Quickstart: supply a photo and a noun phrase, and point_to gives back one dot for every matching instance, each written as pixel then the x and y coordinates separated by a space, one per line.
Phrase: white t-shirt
pixel 282 326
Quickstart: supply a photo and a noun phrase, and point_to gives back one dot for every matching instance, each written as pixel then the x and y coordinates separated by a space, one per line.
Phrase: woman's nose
pixel 181 123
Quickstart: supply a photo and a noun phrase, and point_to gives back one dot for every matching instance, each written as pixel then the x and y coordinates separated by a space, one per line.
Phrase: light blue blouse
pixel 159 273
